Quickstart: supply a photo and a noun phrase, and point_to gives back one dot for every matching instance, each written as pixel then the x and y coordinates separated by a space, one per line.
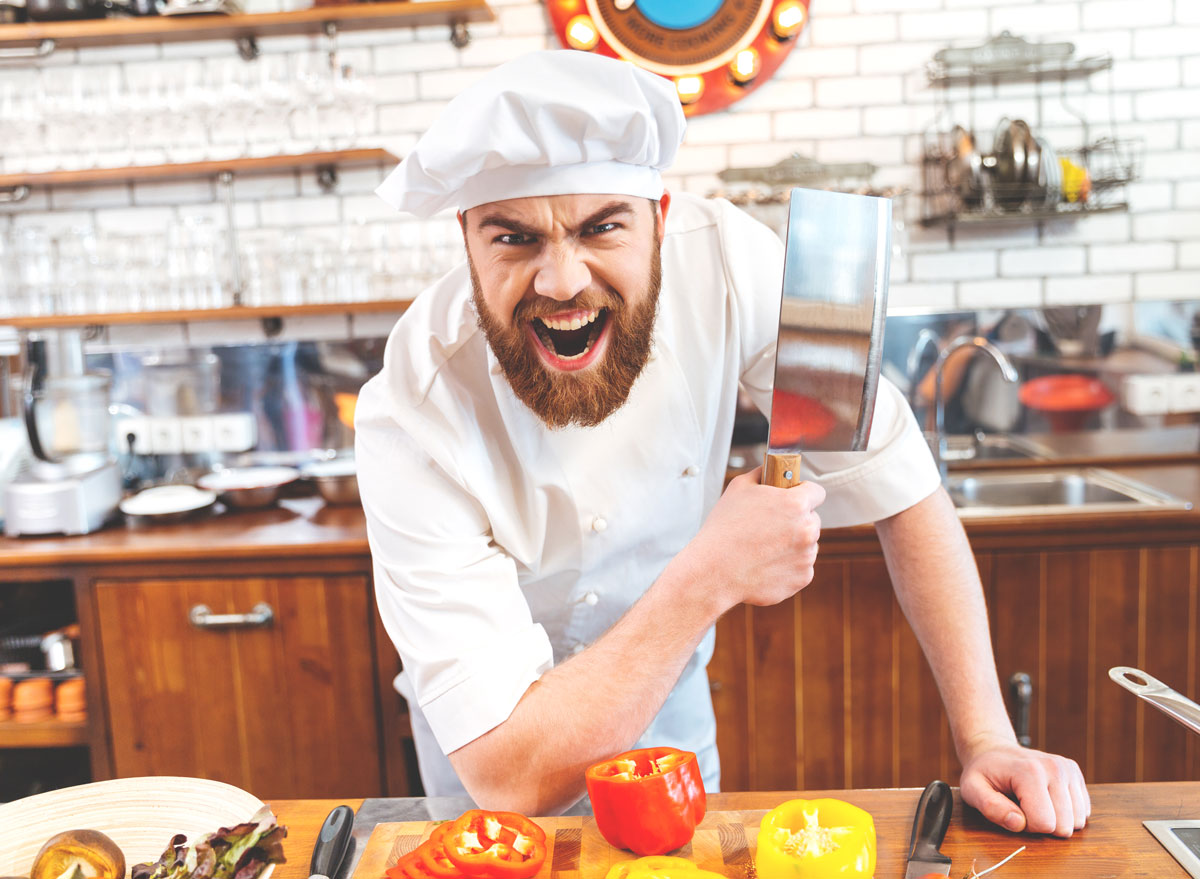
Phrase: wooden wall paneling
pixel 1166 622
pixel 824 710
pixel 1063 701
pixel 771 659
pixel 732 689
pixel 91 660
pixel 869 622
pixel 315 652
pixel 282 711
pixel 1015 613
pixel 156 677
pixel 1113 731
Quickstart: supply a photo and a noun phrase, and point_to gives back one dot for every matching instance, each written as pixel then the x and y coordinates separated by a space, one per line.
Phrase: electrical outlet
pixel 234 432
pixel 198 435
pixel 133 435
pixel 166 435
pixel 1185 392
pixel 1146 394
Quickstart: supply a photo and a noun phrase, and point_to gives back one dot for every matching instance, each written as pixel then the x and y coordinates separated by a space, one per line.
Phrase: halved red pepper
pixel 495 845
pixel 649 800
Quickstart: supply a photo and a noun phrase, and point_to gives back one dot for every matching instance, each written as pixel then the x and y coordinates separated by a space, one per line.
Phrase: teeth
pixel 574 323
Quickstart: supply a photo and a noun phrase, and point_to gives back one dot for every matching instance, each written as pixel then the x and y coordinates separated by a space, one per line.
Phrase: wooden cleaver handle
pixel 781 471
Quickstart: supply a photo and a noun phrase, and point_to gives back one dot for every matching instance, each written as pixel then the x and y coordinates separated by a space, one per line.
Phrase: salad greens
pixel 239 852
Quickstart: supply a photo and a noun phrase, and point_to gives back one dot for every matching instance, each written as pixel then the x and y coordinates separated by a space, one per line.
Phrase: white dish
pixel 167 500
pixel 247 477
pixel 139 814
pixel 333 467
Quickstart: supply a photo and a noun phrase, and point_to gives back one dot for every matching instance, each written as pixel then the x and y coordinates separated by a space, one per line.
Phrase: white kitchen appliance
pixel 73 484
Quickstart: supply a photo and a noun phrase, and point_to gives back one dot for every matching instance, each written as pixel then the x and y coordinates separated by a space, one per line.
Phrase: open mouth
pixel 570 340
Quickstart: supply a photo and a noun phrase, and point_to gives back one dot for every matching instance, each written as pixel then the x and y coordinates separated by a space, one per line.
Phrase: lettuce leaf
pixel 239 852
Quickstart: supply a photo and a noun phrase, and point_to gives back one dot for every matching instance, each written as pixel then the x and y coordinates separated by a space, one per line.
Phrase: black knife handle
pixel 931 822
pixel 330 847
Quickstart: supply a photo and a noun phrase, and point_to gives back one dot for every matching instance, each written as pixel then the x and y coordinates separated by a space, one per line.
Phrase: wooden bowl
pixel 139 814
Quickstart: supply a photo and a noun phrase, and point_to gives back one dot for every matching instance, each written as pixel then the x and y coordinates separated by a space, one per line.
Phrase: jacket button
pixel 590 599
pixel 691 470
pixel 599 524
pixel 578 648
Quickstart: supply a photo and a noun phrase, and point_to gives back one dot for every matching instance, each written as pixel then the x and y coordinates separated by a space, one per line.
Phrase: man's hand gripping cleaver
pixel 827 362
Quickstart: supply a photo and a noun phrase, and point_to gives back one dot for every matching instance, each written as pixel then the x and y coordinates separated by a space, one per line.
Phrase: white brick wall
pixel 853 88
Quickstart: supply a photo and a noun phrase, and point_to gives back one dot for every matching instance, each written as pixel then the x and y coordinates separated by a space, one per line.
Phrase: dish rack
pixel 1013 173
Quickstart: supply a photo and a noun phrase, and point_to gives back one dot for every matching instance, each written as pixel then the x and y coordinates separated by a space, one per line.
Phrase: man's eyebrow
pixel 607 212
pixel 503 222
pixel 509 224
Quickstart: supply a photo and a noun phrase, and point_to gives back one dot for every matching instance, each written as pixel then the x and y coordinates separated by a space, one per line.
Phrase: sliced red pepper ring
pixel 432 853
pixel 495 845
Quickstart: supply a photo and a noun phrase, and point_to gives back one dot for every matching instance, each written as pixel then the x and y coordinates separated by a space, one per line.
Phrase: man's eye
pixel 514 238
pixel 601 228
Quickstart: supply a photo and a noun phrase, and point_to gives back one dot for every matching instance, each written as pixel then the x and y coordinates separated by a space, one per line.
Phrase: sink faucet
pixel 1006 370
pixel 926 338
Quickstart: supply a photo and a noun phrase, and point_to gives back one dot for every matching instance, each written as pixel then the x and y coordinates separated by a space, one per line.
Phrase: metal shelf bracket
pixel 14 195
pixel 247 48
pixel 41 50
pixel 460 37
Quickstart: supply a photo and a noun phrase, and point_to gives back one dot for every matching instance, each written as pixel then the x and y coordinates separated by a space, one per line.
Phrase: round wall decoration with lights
pixel 715 51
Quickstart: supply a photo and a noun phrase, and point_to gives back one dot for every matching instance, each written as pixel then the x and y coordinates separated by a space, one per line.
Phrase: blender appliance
pixel 73 484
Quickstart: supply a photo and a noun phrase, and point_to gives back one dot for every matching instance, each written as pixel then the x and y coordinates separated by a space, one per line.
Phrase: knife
pixel 831 315
pixel 929 829
pixel 331 844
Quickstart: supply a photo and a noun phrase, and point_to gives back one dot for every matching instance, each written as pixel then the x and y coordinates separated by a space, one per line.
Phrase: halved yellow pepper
pixel 816 839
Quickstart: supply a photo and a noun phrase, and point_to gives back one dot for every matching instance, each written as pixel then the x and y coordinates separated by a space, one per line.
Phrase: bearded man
pixel 541 461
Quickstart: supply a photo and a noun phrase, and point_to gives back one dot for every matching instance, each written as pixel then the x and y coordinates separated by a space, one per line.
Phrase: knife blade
pixel 332 841
pixel 929 829
pixel 831 315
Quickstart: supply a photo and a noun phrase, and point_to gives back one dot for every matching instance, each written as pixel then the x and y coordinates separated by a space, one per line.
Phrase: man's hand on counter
pixel 1051 795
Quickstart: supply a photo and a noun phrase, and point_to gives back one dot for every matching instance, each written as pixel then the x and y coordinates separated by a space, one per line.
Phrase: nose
pixel 562 274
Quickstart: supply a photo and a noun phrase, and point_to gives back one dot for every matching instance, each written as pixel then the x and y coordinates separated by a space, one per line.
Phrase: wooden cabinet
pixel 286 710
pixel 831 690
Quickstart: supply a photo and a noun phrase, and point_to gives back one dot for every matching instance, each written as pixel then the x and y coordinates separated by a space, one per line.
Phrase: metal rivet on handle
pixel 787 474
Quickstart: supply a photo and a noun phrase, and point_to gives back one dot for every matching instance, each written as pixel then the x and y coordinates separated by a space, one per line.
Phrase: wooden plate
pixel 140 814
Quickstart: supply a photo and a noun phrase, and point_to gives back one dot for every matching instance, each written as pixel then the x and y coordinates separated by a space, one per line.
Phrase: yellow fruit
pixel 79 854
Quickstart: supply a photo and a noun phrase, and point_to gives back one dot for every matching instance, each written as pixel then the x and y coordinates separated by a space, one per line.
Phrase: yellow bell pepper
pixel 659 867
pixel 815 839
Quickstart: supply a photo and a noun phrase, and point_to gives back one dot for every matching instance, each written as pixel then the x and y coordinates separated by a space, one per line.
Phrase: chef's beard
pixel 588 396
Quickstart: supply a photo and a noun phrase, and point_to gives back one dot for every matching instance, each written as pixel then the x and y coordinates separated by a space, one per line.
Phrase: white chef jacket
pixel 501 547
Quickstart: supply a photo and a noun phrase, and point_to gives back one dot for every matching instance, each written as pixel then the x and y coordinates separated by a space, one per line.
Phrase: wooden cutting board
pixel 724 843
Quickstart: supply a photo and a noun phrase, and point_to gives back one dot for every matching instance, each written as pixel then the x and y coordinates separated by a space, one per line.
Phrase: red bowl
pixel 1066 400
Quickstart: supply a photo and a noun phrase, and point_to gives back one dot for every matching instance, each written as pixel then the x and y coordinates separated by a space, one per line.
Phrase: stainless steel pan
pixel 1158 694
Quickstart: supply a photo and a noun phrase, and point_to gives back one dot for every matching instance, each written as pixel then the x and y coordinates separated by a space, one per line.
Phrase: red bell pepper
pixel 495 845
pixel 432 854
pixel 648 801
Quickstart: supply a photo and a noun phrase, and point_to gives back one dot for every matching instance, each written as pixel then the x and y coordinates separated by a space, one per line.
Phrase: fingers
pixel 1060 795
pixel 977 791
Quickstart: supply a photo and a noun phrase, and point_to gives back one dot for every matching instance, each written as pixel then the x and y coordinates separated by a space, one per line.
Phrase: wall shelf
pixel 44 734
pixel 237 312
pixel 43 37
pixel 241 166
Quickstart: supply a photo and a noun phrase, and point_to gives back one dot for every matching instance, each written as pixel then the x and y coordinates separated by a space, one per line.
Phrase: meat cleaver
pixel 832 308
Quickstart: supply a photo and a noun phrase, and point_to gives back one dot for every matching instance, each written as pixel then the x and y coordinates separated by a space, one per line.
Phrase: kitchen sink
pixel 991 447
pixel 1040 492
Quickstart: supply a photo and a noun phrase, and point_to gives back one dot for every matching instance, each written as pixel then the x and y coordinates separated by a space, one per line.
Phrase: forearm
pixel 594 705
pixel 937 584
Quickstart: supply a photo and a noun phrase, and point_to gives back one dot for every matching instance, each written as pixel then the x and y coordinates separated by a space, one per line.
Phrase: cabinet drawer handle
pixel 1020 686
pixel 202 617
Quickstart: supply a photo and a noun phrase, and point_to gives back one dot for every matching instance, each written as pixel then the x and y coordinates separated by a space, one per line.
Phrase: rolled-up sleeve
pixel 449 597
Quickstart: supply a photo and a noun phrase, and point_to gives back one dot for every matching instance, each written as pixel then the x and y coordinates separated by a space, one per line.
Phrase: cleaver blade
pixel 834 299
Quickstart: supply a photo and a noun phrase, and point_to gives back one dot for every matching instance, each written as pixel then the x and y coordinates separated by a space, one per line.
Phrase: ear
pixel 664 204
pixel 462 224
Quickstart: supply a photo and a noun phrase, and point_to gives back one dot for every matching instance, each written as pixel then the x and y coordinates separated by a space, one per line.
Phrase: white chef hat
pixel 547 123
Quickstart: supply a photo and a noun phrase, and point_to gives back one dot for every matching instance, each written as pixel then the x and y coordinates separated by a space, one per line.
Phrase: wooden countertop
pixel 1114 845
